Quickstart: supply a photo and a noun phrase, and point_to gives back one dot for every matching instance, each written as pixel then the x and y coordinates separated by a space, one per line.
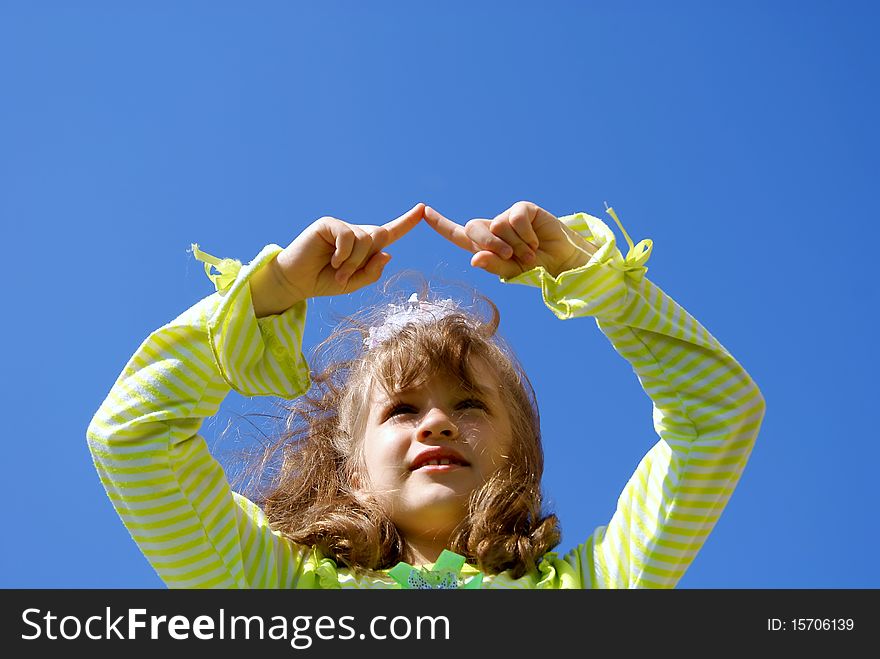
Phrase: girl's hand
pixel 329 257
pixel 519 239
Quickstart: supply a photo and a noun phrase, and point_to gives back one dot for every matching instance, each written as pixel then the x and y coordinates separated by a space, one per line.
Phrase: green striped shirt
pixel 174 499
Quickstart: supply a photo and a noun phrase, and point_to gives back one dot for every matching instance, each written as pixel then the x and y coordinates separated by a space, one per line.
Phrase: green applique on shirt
pixel 444 575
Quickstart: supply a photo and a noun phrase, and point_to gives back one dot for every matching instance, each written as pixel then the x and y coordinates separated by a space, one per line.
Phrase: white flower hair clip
pixel 412 311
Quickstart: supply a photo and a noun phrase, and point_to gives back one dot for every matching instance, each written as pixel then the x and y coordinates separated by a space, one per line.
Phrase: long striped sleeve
pixel 171 494
pixel 707 413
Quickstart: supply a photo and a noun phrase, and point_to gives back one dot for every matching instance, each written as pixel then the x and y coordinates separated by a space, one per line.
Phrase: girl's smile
pixel 438 459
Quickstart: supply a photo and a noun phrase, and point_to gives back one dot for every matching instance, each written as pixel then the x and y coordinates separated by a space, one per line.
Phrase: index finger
pixel 399 226
pixel 450 230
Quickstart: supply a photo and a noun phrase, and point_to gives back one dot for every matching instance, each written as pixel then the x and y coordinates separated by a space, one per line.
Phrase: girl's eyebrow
pixel 478 390
pixel 472 388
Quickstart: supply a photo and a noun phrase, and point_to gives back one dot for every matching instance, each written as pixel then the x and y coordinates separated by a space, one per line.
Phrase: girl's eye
pixel 406 408
pixel 400 408
pixel 472 402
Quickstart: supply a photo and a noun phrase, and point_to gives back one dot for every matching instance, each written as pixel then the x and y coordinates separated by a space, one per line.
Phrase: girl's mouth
pixel 438 460
pixel 439 465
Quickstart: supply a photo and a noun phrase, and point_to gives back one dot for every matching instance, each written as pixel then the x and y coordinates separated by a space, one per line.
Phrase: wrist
pixel 581 251
pixel 578 258
pixel 270 292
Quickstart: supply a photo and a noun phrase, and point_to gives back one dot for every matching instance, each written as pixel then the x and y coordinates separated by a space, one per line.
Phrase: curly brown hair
pixel 309 496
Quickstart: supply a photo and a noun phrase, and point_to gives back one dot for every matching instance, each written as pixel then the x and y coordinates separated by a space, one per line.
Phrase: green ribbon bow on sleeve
pixel 227 269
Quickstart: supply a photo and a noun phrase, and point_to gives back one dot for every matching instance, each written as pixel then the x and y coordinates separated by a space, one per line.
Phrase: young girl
pixel 415 462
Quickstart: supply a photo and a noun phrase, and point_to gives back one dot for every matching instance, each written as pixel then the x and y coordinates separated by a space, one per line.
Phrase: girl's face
pixel 426 449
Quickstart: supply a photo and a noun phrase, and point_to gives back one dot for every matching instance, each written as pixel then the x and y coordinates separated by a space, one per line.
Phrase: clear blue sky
pixel 741 138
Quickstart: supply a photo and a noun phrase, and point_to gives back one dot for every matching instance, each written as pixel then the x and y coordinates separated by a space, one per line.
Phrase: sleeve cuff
pixel 256 357
pixel 599 287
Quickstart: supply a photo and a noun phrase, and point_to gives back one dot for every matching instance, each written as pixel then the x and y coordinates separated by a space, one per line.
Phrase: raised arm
pixel 707 410
pixel 171 494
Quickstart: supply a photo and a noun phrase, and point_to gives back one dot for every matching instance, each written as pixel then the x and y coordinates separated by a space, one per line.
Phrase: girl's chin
pixel 440 499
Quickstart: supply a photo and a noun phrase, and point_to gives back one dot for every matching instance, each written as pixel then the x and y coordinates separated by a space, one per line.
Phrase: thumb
pixel 371 272
pixel 494 264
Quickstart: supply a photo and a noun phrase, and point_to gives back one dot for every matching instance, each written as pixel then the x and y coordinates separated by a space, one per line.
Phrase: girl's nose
pixel 436 424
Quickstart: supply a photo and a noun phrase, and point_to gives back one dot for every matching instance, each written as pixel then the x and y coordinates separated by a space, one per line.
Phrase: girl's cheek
pixel 398 444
